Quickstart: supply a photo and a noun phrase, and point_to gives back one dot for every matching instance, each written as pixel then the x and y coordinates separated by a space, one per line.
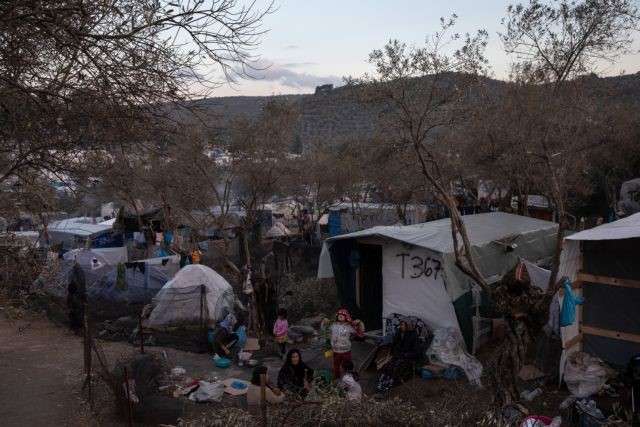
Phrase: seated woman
pixel 405 352
pixel 273 395
pixel 295 376
pixel 225 338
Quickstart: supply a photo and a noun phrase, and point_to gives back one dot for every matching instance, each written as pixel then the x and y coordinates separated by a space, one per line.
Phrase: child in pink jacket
pixel 280 330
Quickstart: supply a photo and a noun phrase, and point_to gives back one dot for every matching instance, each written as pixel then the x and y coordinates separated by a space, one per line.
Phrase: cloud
pixel 298 64
pixel 269 71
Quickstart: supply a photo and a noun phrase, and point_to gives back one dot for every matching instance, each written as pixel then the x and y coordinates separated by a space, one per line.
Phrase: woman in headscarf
pixel 225 337
pixel 405 352
pixel 272 395
pixel 295 376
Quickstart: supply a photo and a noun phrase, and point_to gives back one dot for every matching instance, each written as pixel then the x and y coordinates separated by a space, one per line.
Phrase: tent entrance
pixel 359 280
pixel 368 289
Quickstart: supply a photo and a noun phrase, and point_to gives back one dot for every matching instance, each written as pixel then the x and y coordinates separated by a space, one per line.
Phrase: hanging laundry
pixel 161 253
pixel 159 238
pixel 568 314
pixel 168 237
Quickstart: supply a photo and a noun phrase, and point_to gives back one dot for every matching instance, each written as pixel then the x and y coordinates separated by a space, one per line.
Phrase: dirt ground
pixel 41 366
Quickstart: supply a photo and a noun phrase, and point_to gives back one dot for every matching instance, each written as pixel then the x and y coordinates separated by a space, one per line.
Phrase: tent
pixel 118 294
pixel 194 290
pixel 81 233
pixel 411 270
pixel 602 263
pixel 134 287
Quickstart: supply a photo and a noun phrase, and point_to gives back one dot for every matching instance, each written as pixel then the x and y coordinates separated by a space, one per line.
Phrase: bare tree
pixel 424 94
pixel 83 75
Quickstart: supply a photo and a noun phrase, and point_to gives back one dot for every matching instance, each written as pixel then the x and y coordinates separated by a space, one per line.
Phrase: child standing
pixel 340 337
pixel 280 330
pixel 349 381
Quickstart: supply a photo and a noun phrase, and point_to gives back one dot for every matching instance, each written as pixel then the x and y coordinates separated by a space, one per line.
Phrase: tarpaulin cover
pixel 413 285
pixel 489 234
pixel 178 302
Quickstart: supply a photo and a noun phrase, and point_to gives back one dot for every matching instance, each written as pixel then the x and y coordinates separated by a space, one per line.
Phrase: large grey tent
pixel 196 294
pixel 411 270
pixel 603 265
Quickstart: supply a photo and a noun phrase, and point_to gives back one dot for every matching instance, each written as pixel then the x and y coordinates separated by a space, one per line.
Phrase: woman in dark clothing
pixel 225 338
pixel 405 352
pixel 295 376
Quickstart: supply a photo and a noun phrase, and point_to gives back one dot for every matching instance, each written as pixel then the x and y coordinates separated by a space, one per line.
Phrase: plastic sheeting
pixel 178 302
pixel 111 256
pixel 447 348
pixel 625 228
pixel 535 240
pixel 585 375
pixel 139 288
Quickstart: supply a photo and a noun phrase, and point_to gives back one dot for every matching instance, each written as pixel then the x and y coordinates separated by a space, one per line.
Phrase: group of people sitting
pixel 296 379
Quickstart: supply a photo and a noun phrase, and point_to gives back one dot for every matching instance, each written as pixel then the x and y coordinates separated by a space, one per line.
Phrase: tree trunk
pixel 507 361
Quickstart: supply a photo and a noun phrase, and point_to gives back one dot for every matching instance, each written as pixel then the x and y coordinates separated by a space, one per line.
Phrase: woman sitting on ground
pixel 272 395
pixel 405 352
pixel 225 337
pixel 295 376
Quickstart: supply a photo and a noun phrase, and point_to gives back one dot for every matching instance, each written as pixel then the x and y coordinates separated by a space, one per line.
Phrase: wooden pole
pixel 141 333
pixel 263 399
pixel 87 349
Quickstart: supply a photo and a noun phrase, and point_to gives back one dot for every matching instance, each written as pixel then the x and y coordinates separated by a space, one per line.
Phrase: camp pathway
pixel 38 365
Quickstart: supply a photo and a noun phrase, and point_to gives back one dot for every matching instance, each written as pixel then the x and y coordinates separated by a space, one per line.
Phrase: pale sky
pixel 310 43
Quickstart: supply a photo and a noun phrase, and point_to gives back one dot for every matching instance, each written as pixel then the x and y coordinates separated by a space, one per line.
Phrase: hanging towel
pixel 568 314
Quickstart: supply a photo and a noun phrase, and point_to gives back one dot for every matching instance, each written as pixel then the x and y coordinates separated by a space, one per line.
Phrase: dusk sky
pixel 310 43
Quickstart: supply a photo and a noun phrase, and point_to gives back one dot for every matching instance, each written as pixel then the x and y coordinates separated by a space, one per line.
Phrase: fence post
pixel 263 399
pixel 202 330
pixel 87 349
pixel 141 333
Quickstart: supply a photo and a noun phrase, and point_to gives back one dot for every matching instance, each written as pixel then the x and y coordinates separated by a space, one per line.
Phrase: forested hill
pixel 330 114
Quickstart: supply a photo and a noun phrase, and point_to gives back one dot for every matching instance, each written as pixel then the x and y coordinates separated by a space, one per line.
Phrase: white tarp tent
pixel 419 276
pixel 603 266
pixel 178 302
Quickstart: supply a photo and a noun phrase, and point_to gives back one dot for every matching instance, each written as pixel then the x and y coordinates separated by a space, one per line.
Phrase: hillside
pixel 329 114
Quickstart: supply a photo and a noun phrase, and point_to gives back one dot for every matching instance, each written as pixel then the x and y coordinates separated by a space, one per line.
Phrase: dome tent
pixel 180 300
pixel 137 287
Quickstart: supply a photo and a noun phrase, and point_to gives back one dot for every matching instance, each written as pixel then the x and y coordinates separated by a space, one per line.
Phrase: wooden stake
pixel 263 398
pixel 141 334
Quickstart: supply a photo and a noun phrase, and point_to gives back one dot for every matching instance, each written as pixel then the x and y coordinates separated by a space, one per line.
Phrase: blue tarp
pixel 335 224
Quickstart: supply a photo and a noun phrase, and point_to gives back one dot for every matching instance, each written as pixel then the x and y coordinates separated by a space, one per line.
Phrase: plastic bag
pixel 208 392
pixel 242 336
pixel 585 375
pixel 447 348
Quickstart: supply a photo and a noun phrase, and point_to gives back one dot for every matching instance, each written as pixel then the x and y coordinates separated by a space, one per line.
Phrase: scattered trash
pixel 178 373
pixel 531 394
pixel 588 413
pixel 568 402
pixel 130 390
pixel 586 375
pixel 208 392
pixel 541 421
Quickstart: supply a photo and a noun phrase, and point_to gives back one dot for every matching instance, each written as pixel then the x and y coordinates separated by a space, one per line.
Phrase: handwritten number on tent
pixel 421 266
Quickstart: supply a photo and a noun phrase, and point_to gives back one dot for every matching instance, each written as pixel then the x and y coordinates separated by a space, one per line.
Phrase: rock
pixel 312 321
pixel 303 329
